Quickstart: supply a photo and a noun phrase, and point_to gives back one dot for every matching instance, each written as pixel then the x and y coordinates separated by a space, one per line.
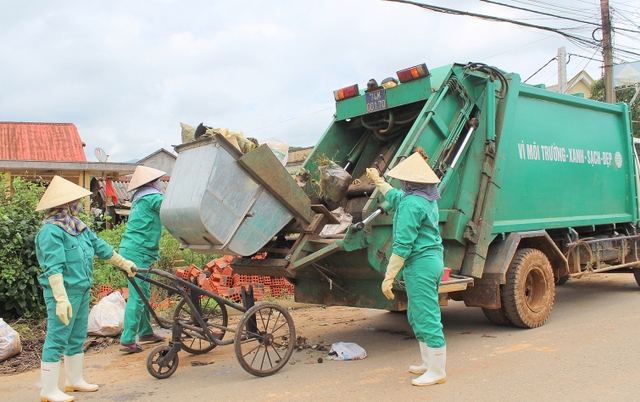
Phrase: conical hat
pixel 144 175
pixel 61 191
pixel 414 169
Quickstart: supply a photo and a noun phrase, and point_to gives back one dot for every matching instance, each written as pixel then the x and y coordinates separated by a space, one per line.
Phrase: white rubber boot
pixel 49 375
pixel 422 368
pixel 435 374
pixel 74 381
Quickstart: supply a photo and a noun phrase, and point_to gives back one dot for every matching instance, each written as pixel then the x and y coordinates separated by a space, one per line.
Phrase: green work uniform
pixel 417 239
pixel 59 252
pixel 141 244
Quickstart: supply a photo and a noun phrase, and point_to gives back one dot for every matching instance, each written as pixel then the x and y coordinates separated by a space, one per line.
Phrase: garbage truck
pixel 537 187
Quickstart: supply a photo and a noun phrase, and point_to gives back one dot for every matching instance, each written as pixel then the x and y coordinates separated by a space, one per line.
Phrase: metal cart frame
pixel 263 340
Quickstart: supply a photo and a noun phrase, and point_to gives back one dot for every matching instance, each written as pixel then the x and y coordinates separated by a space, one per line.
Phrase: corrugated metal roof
pixel 58 142
pixel 120 187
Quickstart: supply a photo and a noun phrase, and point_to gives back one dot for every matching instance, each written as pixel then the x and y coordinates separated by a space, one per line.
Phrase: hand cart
pixel 264 339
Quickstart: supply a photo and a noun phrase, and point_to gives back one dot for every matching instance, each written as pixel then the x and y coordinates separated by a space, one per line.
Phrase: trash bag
pixel 9 341
pixel 334 181
pixel 237 138
pixel 188 132
pixel 345 221
pixel 346 351
pixel 107 317
pixel 280 149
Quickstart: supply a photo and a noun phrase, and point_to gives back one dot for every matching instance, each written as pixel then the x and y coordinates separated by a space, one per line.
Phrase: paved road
pixel 587 351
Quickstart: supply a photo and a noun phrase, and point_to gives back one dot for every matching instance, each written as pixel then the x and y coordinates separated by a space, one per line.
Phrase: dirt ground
pixel 585 352
pixel 311 323
pixel 32 334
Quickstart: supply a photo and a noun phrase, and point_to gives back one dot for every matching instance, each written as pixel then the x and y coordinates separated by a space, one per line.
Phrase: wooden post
pixel 84 182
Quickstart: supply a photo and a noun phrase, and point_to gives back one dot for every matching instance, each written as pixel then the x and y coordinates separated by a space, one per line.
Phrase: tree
pixel 623 95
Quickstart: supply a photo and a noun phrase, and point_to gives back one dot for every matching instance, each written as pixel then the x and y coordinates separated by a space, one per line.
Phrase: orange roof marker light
pixel 412 73
pixel 346 93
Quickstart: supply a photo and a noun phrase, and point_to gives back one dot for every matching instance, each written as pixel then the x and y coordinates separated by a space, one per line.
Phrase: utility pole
pixel 562 70
pixel 607 52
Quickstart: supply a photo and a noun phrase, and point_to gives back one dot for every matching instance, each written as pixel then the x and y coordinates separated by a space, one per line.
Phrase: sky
pixel 127 73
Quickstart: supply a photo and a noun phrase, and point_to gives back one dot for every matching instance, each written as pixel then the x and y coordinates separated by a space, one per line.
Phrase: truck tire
pixel 636 274
pixel 496 316
pixel 528 295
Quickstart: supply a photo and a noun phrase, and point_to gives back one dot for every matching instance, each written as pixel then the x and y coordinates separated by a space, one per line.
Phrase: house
pixel 161 160
pixel 580 83
pixel 39 151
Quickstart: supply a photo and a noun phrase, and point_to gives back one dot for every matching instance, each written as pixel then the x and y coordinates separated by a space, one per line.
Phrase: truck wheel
pixel 496 316
pixel 636 274
pixel 562 280
pixel 528 295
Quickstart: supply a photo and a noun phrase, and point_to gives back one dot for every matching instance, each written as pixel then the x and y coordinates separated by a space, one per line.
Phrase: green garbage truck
pixel 537 187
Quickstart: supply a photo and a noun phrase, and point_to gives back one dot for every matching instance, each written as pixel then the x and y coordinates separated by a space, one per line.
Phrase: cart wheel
pixel 265 339
pixel 212 312
pixel 154 366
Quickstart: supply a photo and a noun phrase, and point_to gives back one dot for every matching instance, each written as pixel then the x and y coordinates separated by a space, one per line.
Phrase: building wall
pixel 160 161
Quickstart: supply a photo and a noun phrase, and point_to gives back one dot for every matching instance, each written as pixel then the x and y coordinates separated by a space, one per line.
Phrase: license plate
pixel 376 100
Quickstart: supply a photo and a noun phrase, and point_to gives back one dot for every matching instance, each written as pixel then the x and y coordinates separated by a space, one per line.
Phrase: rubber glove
pixel 395 263
pixel 382 185
pixel 122 263
pixel 63 307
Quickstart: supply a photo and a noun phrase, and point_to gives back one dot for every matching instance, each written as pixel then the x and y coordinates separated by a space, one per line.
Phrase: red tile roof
pixel 59 142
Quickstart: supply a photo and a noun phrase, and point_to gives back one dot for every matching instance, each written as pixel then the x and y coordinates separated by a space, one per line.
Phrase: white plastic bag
pixel 9 341
pixel 346 351
pixel 345 220
pixel 280 149
pixel 107 317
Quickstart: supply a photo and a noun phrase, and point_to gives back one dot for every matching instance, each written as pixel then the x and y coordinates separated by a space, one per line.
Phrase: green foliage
pixel 20 292
pixel 103 272
pixel 622 95
pixel 170 253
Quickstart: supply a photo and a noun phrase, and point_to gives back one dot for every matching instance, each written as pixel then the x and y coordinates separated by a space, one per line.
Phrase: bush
pixel 103 272
pixel 20 292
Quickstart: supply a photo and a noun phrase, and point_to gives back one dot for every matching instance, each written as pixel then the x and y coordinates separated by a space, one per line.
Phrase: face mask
pixel 76 207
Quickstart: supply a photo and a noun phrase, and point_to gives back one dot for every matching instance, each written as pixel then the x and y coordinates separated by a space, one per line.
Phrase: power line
pixel 559 8
pixel 540 69
pixel 288 120
pixel 539 12
pixel 445 10
pixel 556 16
pixel 575 39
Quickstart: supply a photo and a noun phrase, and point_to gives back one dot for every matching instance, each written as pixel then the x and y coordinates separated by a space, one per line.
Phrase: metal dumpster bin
pixel 214 205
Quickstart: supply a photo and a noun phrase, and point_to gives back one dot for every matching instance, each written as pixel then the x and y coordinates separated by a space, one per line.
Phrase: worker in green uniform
pixel 417 247
pixel 141 243
pixel 65 248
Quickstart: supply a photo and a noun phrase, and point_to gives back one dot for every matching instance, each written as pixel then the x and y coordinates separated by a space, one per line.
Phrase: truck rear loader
pixel 537 187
